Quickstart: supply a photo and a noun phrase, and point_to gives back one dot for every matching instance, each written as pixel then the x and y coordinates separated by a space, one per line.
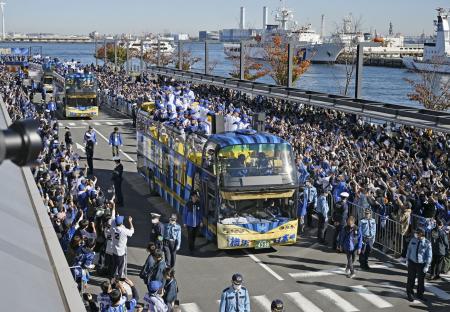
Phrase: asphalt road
pixel 307 277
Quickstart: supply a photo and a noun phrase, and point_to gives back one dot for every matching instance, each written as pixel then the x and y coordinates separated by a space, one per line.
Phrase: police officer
pixel 277 306
pixel 235 298
pixel 192 218
pixel 440 246
pixel 117 180
pixel 157 231
pixel 368 228
pixel 89 150
pixel 310 197
pixel 172 240
pixel 68 138
pixel 419 255
pixel 90 135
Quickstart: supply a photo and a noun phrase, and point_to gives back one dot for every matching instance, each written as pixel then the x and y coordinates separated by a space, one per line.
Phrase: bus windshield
pixel 245 165
pixel 48 80
pixel 256 211
pixel 81 102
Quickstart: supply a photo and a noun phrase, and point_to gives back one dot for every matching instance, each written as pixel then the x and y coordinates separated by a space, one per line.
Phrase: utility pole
pixel 142 60
pixel 105 54
pixel 360 65
pixel 115 54
pixel 158 54
pixel 180 55
pixel 290 64
pixel 242 61
pixel 206 58
pixel 95 53
pixel 126 64
pixel 2 5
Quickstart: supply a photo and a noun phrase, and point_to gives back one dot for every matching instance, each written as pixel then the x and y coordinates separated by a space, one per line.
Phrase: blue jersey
pixel 128 306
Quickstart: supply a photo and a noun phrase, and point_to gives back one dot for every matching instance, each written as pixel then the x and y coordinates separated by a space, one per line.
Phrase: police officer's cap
pixel 155 215
pixel 277 305
pixel 368 210
pixel 420 231
pixel 237 279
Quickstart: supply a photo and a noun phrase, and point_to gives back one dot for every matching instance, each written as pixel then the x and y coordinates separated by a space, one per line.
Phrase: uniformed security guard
pixel 172 240
pixel 157 231
pixel 419 256
pixel 117 180
pixel 368 229
pixel 235 298
pixel 277 306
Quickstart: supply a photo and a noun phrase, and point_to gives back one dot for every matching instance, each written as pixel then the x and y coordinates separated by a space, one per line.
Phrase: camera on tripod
pixel 21 142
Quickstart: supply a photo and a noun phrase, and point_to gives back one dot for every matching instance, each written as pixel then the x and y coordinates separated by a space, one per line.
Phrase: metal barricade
pixel 388 236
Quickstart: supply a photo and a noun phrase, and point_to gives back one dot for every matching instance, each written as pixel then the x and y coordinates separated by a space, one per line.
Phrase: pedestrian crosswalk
pixel 357 298
pixel 95 123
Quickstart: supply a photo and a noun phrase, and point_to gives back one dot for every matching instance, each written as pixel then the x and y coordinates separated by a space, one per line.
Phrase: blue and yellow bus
pixel 80 96
pixel 247 181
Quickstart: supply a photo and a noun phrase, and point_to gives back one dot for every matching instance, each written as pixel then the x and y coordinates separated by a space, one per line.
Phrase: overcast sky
pixel 409 17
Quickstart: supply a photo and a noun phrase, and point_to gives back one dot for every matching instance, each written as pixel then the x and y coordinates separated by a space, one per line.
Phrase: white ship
pixel 390 46
pixel 307 42
pixel 436 55
pixel 152 45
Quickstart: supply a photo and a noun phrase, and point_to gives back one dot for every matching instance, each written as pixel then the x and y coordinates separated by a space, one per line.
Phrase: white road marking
pixel 120 123
pixel 337 300
pixel 264 266
pixel 400 291
pixel 97 123
pixel 331 271
pixel 109 123
pixel 85 123
pixel 302 302
pixel 371 297
pixel 190 307
pixel 263 302
pixel 80 147
pixel 318 273
pixel 60 124
pixel 125 154
pixel 437 291
pixel 71 124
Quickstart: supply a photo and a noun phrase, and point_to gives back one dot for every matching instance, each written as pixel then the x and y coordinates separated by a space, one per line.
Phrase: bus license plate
pixel 262 244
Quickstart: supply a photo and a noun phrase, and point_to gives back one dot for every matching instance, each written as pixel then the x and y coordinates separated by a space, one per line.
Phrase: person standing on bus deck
pixel 117 180
pixel 322 213
pixel 51 106
pixel 419 256
pixel 192 219
pixel 235 298
pixel 310 196
pixel 368 229
pixel 157 231
pixel 172 240
pixel 115 140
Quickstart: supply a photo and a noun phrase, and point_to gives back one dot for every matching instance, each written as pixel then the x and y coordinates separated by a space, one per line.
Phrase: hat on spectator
pixel 119 220
pixel 345 194
pixel 154 286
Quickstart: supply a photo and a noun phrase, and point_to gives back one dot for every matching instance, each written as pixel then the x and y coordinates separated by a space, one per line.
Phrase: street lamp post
pixel 242 62
pixel 290 64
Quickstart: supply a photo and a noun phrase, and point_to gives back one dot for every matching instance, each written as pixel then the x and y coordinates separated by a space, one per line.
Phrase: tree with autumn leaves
pixel 110 54
pixel 277 59
pixel 252 69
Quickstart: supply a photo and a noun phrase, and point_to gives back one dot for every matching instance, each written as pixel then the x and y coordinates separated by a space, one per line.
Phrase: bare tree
pixel 346 36
pixel 431 89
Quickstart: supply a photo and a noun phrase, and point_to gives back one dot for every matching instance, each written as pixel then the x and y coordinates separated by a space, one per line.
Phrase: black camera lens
pixel 21 142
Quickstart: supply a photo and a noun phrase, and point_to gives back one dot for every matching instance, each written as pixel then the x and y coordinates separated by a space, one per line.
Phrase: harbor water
pixel 379 83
